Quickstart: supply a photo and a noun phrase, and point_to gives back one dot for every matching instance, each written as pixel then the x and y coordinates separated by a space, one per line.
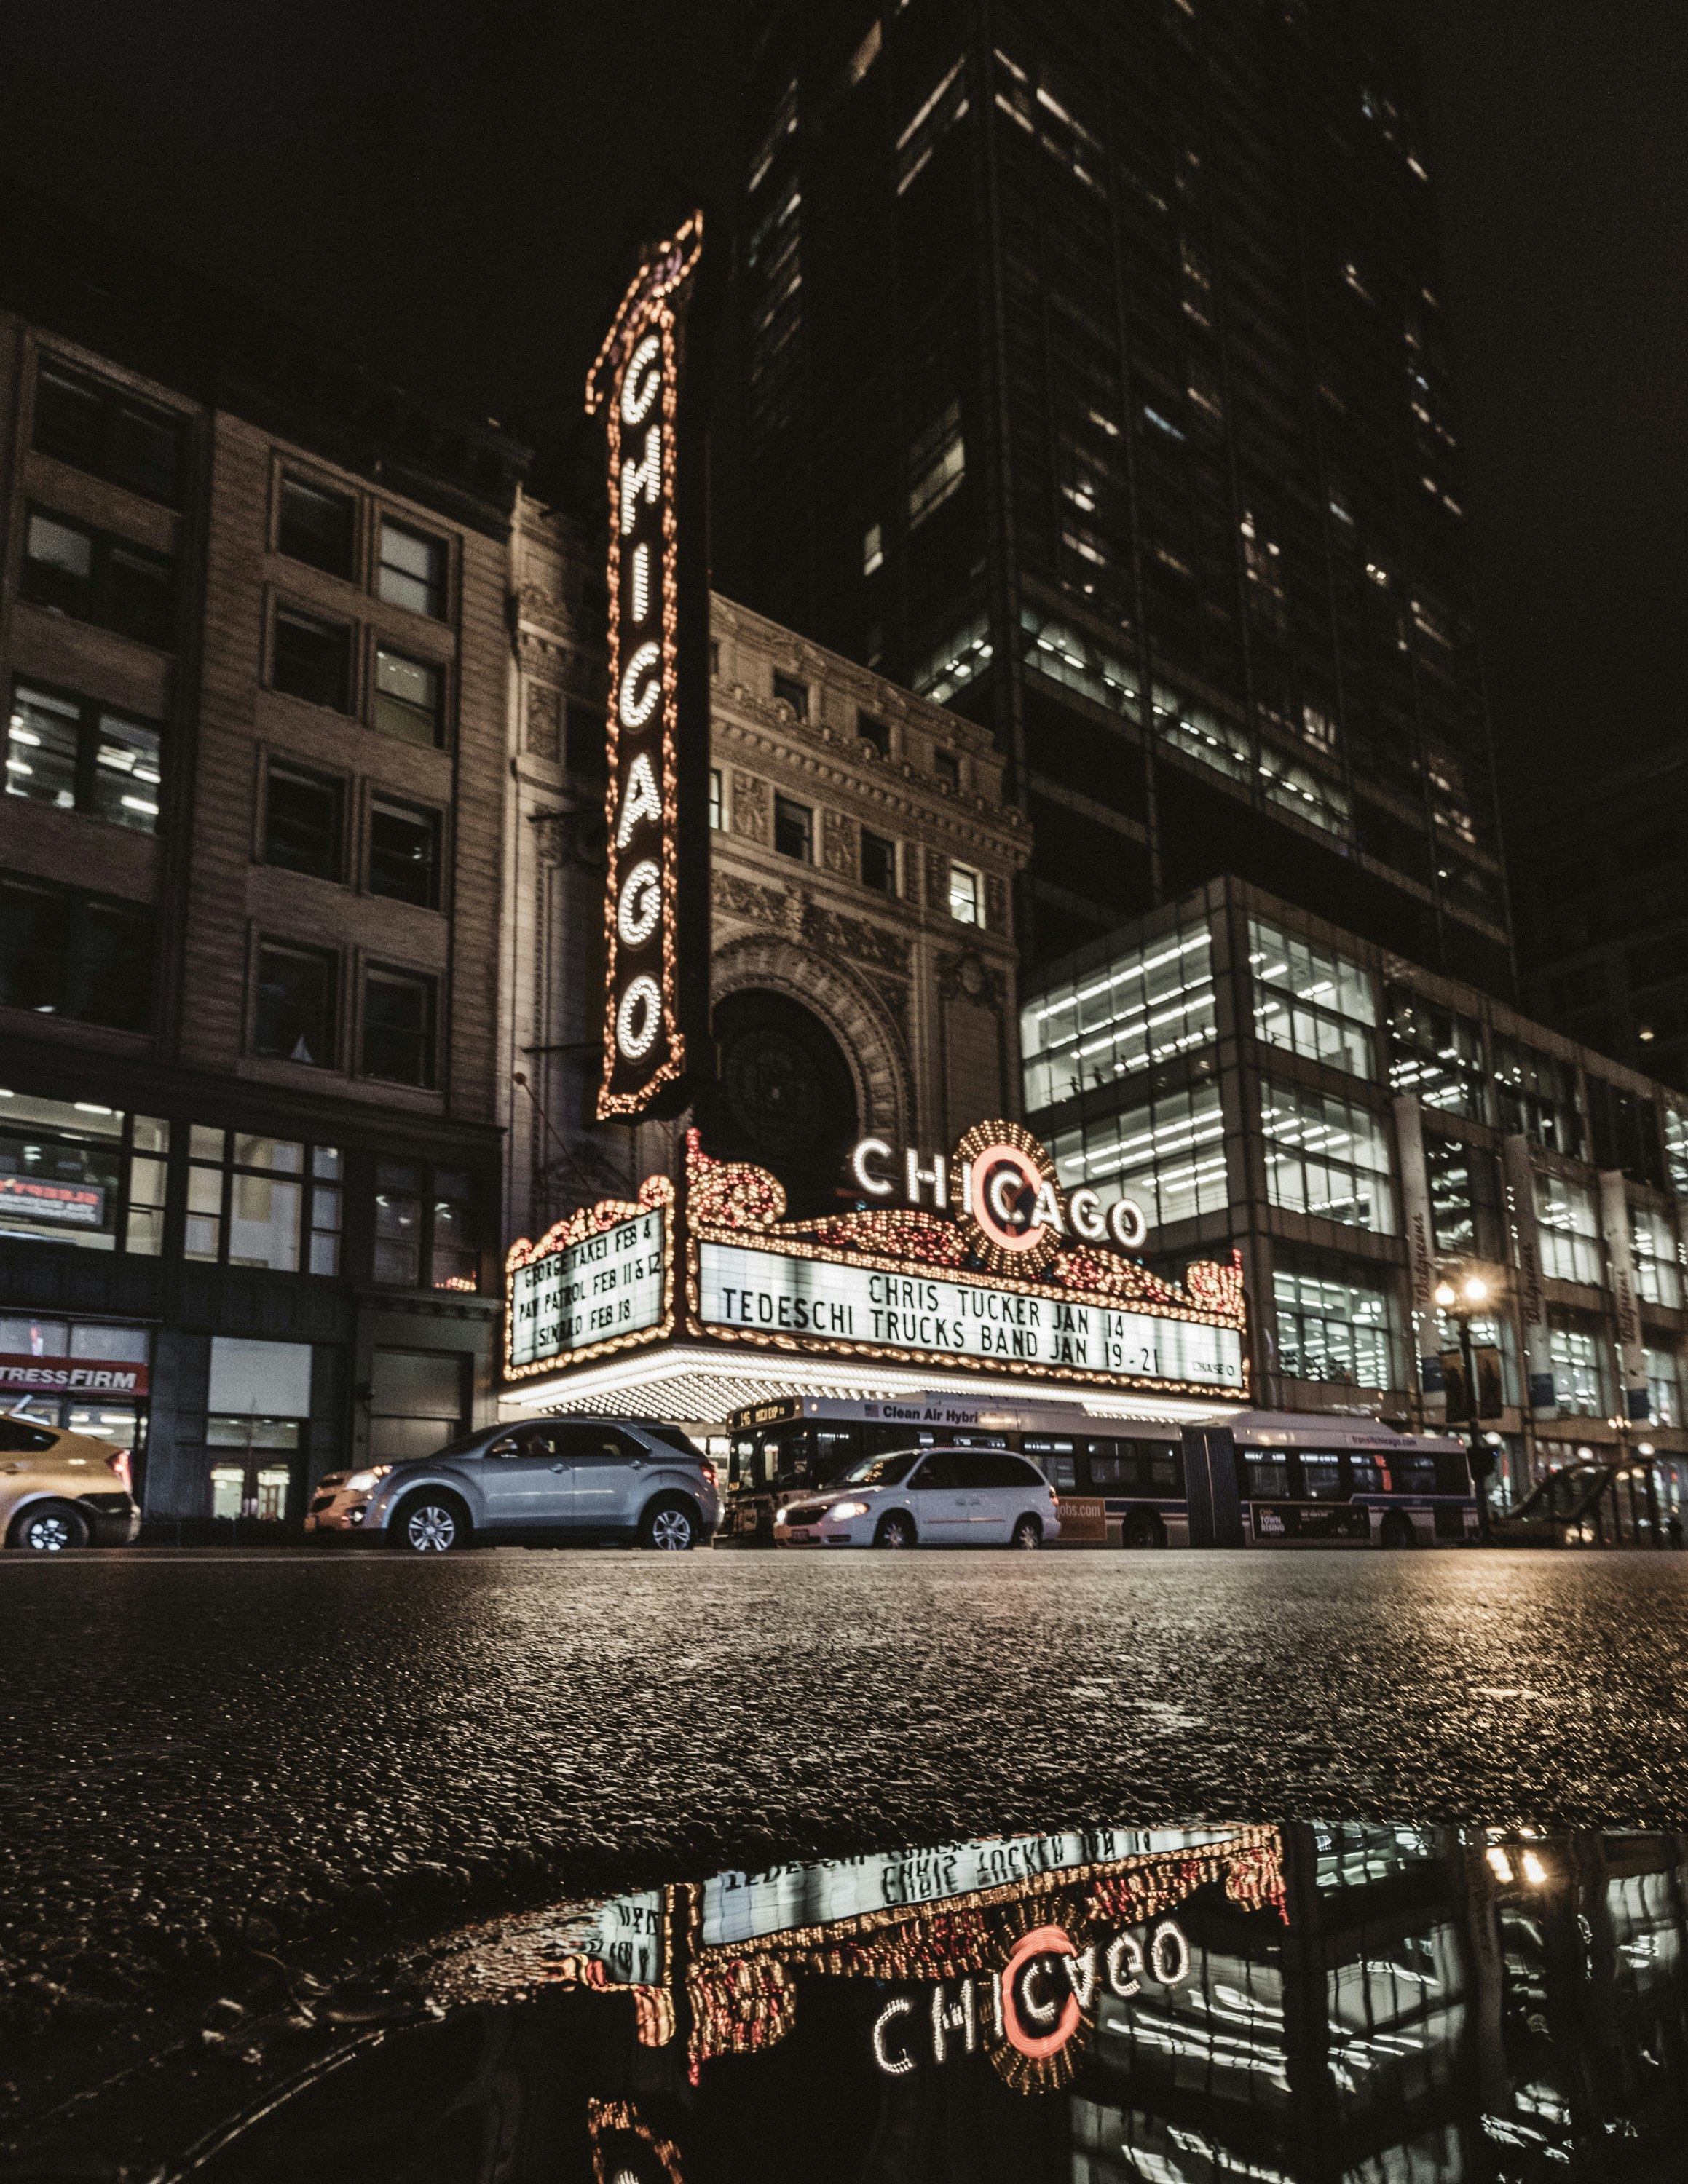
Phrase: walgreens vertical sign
pixel 656 899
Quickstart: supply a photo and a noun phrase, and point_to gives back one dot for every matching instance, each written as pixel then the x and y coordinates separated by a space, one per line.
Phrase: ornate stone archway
pixel 857 1018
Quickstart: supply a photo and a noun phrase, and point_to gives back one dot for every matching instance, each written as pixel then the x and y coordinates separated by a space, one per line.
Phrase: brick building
pixel 252 640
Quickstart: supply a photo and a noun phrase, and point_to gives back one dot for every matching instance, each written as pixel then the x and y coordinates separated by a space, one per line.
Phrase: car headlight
pixel 778 1516
pixel 841 1510
pixel 364 1482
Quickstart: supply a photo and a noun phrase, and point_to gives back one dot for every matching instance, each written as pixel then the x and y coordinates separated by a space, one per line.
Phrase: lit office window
pixel 412 570
pixel 1676 1150
pixel 1579 1370
pixel 937 464
pixel 1538 1096
pixel 74 1172
pixel 1168 1154
pixel 1311 1002
pixel 1664 1387
pixel 1658 1272
pixel 1437 1055
pixel 77 754
pixel 1327 1158
pixel 966 895
pixel 1333 1328
pixel 1141 1008
pixel 255 1200
pixel 1466 1217
pixel 1569 1223
pixel 873 550
pixel 717 799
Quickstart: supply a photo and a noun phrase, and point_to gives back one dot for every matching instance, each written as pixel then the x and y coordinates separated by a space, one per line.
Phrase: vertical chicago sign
pixel 656 902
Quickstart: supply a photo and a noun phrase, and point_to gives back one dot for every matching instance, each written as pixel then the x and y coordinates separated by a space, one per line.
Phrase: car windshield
pixel 881 1470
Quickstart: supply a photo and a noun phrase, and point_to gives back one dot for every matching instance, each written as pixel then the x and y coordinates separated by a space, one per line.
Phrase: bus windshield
pixel 881 1470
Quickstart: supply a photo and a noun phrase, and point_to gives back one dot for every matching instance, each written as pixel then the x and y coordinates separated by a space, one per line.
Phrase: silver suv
pixel 550 1482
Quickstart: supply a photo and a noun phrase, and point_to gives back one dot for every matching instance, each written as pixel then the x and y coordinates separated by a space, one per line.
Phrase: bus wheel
pixel 1144 1529
pixel 895 1530
pixel 1397 1530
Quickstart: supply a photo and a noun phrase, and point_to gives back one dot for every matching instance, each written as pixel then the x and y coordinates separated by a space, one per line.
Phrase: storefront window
pixel 1168 1154
pixel 1568 1221
pixel 1436 1055
pixel 75 1171
pixel 1487 1334
pixel 1141 1008
pixel 1537 1097
pixel 425 1232
pixel 1659 1273
pixel 1580 1374
pixel 252 1463
pixel 1311 1002
pixel 1327 1158
pixel 1333 1328
pixel 82 1377
pixel 256 1201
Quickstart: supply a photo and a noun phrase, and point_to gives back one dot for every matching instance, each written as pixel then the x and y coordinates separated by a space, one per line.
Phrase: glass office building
pixel 1258 1080
pixel 1094 378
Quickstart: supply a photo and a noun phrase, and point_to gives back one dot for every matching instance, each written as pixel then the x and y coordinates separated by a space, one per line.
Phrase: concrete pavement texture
pixel 210 1763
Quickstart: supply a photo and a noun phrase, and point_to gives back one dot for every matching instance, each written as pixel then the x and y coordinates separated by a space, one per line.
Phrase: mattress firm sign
pixel 606 1285
pixel 811 1302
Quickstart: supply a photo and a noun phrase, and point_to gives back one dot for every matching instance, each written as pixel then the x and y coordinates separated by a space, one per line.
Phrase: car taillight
pixel 710 1472
pixel 118 1460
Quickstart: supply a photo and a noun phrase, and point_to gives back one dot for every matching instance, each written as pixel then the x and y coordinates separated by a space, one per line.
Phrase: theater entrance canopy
pixel 977 1277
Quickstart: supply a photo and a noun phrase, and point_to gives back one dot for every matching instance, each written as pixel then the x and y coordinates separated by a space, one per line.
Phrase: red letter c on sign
pixel 983 1210
pixel 1041 1942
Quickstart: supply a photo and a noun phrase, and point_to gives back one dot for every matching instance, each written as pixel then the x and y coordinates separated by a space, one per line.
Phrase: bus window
pixel 1453 1473
pixel 1413 1475
pixel 1056 1460
pixel 835 1450
pixel 1369 1475
pixel 1321 1476
pixel 1113 1465
pixel 1164 1464
pixel 1264 1478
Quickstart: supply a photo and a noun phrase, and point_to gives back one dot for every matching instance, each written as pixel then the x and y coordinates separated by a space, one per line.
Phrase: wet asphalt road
pixel 207 1760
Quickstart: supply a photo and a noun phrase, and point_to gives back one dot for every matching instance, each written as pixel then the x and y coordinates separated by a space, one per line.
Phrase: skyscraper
pixel 1093 379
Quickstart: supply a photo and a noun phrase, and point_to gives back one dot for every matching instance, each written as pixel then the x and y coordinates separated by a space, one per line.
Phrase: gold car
pixel 62 1489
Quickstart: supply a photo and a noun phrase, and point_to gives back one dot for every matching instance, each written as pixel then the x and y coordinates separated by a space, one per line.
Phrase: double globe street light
pixel 1469 1302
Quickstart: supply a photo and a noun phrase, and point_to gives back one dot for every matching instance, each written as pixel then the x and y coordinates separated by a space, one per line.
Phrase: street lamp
pixel 1463 1305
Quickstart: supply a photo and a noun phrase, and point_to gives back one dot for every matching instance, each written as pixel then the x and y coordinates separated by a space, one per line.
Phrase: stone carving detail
pixel 545 721
pixel 937 880
pixel 571 838
pixel 968 976
pixel 996 903
pixel 793 910
pixel 751 808
pixel 838 835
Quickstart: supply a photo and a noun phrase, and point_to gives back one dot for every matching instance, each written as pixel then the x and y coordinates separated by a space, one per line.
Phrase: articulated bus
pixel 1258 1478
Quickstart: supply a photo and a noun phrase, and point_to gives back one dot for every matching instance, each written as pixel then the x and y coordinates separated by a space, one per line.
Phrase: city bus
pixel 1117 1482
pixel 1288 1479
pixel 1250 1478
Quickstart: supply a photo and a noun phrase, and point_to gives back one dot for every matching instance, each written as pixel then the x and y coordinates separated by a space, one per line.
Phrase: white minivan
pixel 926 1497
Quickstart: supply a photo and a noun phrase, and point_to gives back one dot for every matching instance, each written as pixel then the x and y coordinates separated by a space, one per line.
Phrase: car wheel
pixel 1027 1533
pixel 49 1527
pixel 432 1524
pixel 1144 1529
pixel 1397 1530
pixel 670 1524
pixel 895 1530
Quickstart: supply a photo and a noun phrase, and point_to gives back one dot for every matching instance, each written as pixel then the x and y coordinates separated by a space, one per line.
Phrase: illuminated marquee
pixel 947 1286
pixel 593 1285
pixel 655 901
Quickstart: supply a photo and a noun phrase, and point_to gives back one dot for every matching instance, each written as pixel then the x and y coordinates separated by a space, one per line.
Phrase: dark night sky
pixel 447 189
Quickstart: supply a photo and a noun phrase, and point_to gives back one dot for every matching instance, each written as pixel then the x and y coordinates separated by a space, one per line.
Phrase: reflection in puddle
pixel 1361 2004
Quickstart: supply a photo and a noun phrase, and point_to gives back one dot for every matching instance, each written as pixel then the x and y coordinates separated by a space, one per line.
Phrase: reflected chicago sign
pixel 656 904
